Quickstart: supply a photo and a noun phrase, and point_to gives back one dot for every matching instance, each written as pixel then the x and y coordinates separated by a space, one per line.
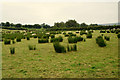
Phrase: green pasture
pixel 89 61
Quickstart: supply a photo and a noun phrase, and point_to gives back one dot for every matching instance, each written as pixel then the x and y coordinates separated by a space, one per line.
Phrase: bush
pixel 72 40
pixel 32 47
pixel 118 35
pixel 59 48
pixel 107 38
pixel 43 40
pixel 28 38
pixel 12 50
pixel 18 40
pixel 89 35
pixel 7 41
pixel 79 38
pixel 100 41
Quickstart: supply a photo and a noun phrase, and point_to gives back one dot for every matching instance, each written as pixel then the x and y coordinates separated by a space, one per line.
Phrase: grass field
pixel 89 61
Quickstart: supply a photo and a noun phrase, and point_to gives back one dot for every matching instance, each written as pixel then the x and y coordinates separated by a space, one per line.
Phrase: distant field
pixel 89 61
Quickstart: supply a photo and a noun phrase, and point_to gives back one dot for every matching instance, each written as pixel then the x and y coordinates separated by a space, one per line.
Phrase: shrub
pixel 18 40
pixel 107 38
pixel 43 40
pixel 7 41
pixel 12 50
pixel 52 36
pixel 32 47
pixel 89 35
pixel 28 38
pixel 59 48
pixel 100 41
pixel 118 35
pixel 72 40
pixel 79 38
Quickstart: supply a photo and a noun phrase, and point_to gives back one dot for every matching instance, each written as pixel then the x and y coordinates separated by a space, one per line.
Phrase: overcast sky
pixel 31 12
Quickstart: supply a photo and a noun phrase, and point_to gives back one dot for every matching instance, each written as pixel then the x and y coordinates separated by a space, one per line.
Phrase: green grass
pixel 89 61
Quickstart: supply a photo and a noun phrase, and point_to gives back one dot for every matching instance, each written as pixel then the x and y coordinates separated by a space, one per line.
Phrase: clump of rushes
pixel 100 41
pixel 18 39
pixel 52 36
pixel 79 38
pixel 74 47
pixel 107 38
pixel 7 41
pixel 32 47
pixel 84 40
pixel 89 35
pixel 58 39
pixel 28 38
pixel 43 40
pixel 13 41
pixel 118 35
pixel 72 40
pixel 68 48
pixel 12 50
pixel 59 48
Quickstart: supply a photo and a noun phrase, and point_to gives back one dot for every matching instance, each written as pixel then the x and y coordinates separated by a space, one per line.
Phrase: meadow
pixel 88 61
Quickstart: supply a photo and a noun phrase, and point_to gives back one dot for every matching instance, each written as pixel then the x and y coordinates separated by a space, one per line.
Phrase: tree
pixel 83 25
pixel 2 24
pixel 93 25
pixel 12 24
pixel 72 23
pixel 7 24
pixel 61 24
pixel 18 25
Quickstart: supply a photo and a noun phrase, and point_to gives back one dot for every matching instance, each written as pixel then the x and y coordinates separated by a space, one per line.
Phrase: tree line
pixel 19 25
pixel 69 23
